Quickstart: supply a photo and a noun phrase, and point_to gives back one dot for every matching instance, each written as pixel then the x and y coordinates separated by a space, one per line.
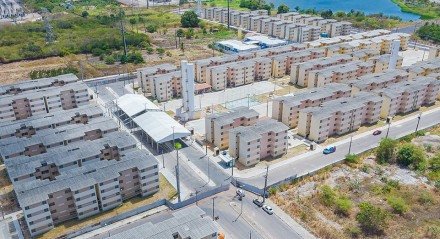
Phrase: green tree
pixel 283 8
pixel 411 155
pixel 189 19
pixel 327 14
pixel 151 28
pixel 373 220
pixel 385 153
pixel 84 14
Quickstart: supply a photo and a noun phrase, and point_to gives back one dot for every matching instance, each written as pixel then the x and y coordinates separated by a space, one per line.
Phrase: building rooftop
pixel 134 104
pixel 38 83
pixel 398 89
pixel 189 222
pixel 229 117
pixel 151 70
pixel 238 45
pixel 254 132
pixel 377 78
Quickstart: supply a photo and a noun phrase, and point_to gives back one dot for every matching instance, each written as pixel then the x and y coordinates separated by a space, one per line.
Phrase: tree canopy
pixel 283 8
pixel 189 19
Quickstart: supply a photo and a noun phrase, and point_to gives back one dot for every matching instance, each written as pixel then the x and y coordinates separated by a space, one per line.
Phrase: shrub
pixel 343 206
pixel 109 60
pixel 372 219
pixel 272 191
pixel 84 14
pixel 385 151
pixel 160 51
pixel 411 155
pixel 151 28
pixel 327 195
pixel 353 231
pixel 398 204
pixel 425 198
pixel 352 159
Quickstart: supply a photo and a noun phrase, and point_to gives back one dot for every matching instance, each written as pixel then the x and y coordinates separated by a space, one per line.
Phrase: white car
pixel 240 192
pixel 267 209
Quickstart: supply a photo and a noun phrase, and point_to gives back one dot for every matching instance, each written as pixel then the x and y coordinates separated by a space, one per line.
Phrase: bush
pixel 352 159
pixel 372 219
pixel 430 32
pixel 411 155
pixel 151 28
pixel 398 204
pixel 385 151
pixel 272 191
pixel 84 14
pixel 283 8
pixel 343 206
pixel 327 195
pixel 353 231
pixel 160 51
pixel 109 60
pixel 189 19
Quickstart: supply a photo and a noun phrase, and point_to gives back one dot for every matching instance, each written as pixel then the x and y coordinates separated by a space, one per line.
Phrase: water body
pixel 386 7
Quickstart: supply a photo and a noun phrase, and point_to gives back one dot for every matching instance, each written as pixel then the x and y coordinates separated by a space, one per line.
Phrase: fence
pixel 161 202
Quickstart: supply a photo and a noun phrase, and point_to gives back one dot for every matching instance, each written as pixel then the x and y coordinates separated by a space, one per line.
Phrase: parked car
pixel 377 132
pixel 258 202
pixel 240 192
pixel 329 150
pixel 267 209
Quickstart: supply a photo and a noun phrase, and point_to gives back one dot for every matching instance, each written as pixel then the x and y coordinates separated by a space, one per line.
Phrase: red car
pixel 377 132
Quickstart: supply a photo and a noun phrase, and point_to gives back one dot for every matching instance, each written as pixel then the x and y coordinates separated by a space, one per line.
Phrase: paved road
pixel 360 143
pixel 253 219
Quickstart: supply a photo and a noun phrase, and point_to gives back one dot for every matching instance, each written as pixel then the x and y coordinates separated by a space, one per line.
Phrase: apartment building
pixel 256 22
pixel 267 25
pixel 339 116
pixel 164 87
pixel 202 65
pixel 86 191
pixel 42 140
pixel 43 83
pixel 43 101
pixel 263 67
pixel 378 80
pixel 339 29
pixel 339 73
pixel 324 24
pixel 240 74
pixel 407 96
pixel 364 54
pixel 300 71
pixel 382 62
pixel 282 63
pixel 144 75
pixel 288 16
pixel 217 76
pixel 250 144
pixel 32 125
pixel 286 108
pixel 424 68
pixel 217 126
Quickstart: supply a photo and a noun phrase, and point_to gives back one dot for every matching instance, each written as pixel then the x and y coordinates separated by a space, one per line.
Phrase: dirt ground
pixel 368 182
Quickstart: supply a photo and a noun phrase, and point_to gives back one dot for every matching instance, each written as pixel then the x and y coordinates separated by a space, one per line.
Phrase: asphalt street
pixel 253 222
pixel 318 160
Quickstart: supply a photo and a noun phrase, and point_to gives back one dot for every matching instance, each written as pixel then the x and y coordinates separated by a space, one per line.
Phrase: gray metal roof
pixel 229 117
pixel 398 89
pixel 189 222
pixel 378 78
pixel 38 83
pixel 254 132
pixel 36 191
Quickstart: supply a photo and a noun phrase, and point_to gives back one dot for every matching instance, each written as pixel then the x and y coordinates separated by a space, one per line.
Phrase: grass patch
pixel 166 191
pixel 426 9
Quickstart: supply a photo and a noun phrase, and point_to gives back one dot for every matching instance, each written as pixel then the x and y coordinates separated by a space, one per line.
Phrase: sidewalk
pixel 121 223
pixel 184 191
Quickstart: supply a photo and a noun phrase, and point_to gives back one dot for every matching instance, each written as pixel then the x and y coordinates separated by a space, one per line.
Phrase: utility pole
pixel 229 24
pixel 388 130
pixel 418 121
pixel 265 183
pixel 213 205
pixel 177 169
pixel 349 147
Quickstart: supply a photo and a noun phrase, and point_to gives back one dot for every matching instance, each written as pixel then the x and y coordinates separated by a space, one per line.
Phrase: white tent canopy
pixel 159 126
pixel 133 104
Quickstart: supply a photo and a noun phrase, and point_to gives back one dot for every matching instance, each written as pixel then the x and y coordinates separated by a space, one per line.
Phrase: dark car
pixel 258 202
pixel 377 132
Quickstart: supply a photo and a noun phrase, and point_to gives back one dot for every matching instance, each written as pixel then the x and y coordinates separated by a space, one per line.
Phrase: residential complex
pixel 407 96
pixel 22 105
pixel 144 75
pixel 250 144
pixel 378 80
pixel 217 126
pixel 339 116
pixel 64 158
pixel 286 108
pixel 424 68
pixel 434 52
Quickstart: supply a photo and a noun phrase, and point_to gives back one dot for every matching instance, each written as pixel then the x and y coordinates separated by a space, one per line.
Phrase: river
pixel 386 7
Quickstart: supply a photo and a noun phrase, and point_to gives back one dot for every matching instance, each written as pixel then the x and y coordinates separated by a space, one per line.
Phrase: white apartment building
pixel 166 86
pixel 300 71
pixel 378 80
pixel 339 73
pixel 339 116
pixel 250 144
pixel 217 125
pixel 286 108
pixel 407 96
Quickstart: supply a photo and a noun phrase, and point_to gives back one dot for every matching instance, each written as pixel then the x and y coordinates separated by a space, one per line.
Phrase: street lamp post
pixel 213 205
pixel 349 147
pixel 418 121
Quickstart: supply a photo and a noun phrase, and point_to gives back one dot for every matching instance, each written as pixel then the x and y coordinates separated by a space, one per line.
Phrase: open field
pixel 426 9
pixel 333 202
pixel 166 191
